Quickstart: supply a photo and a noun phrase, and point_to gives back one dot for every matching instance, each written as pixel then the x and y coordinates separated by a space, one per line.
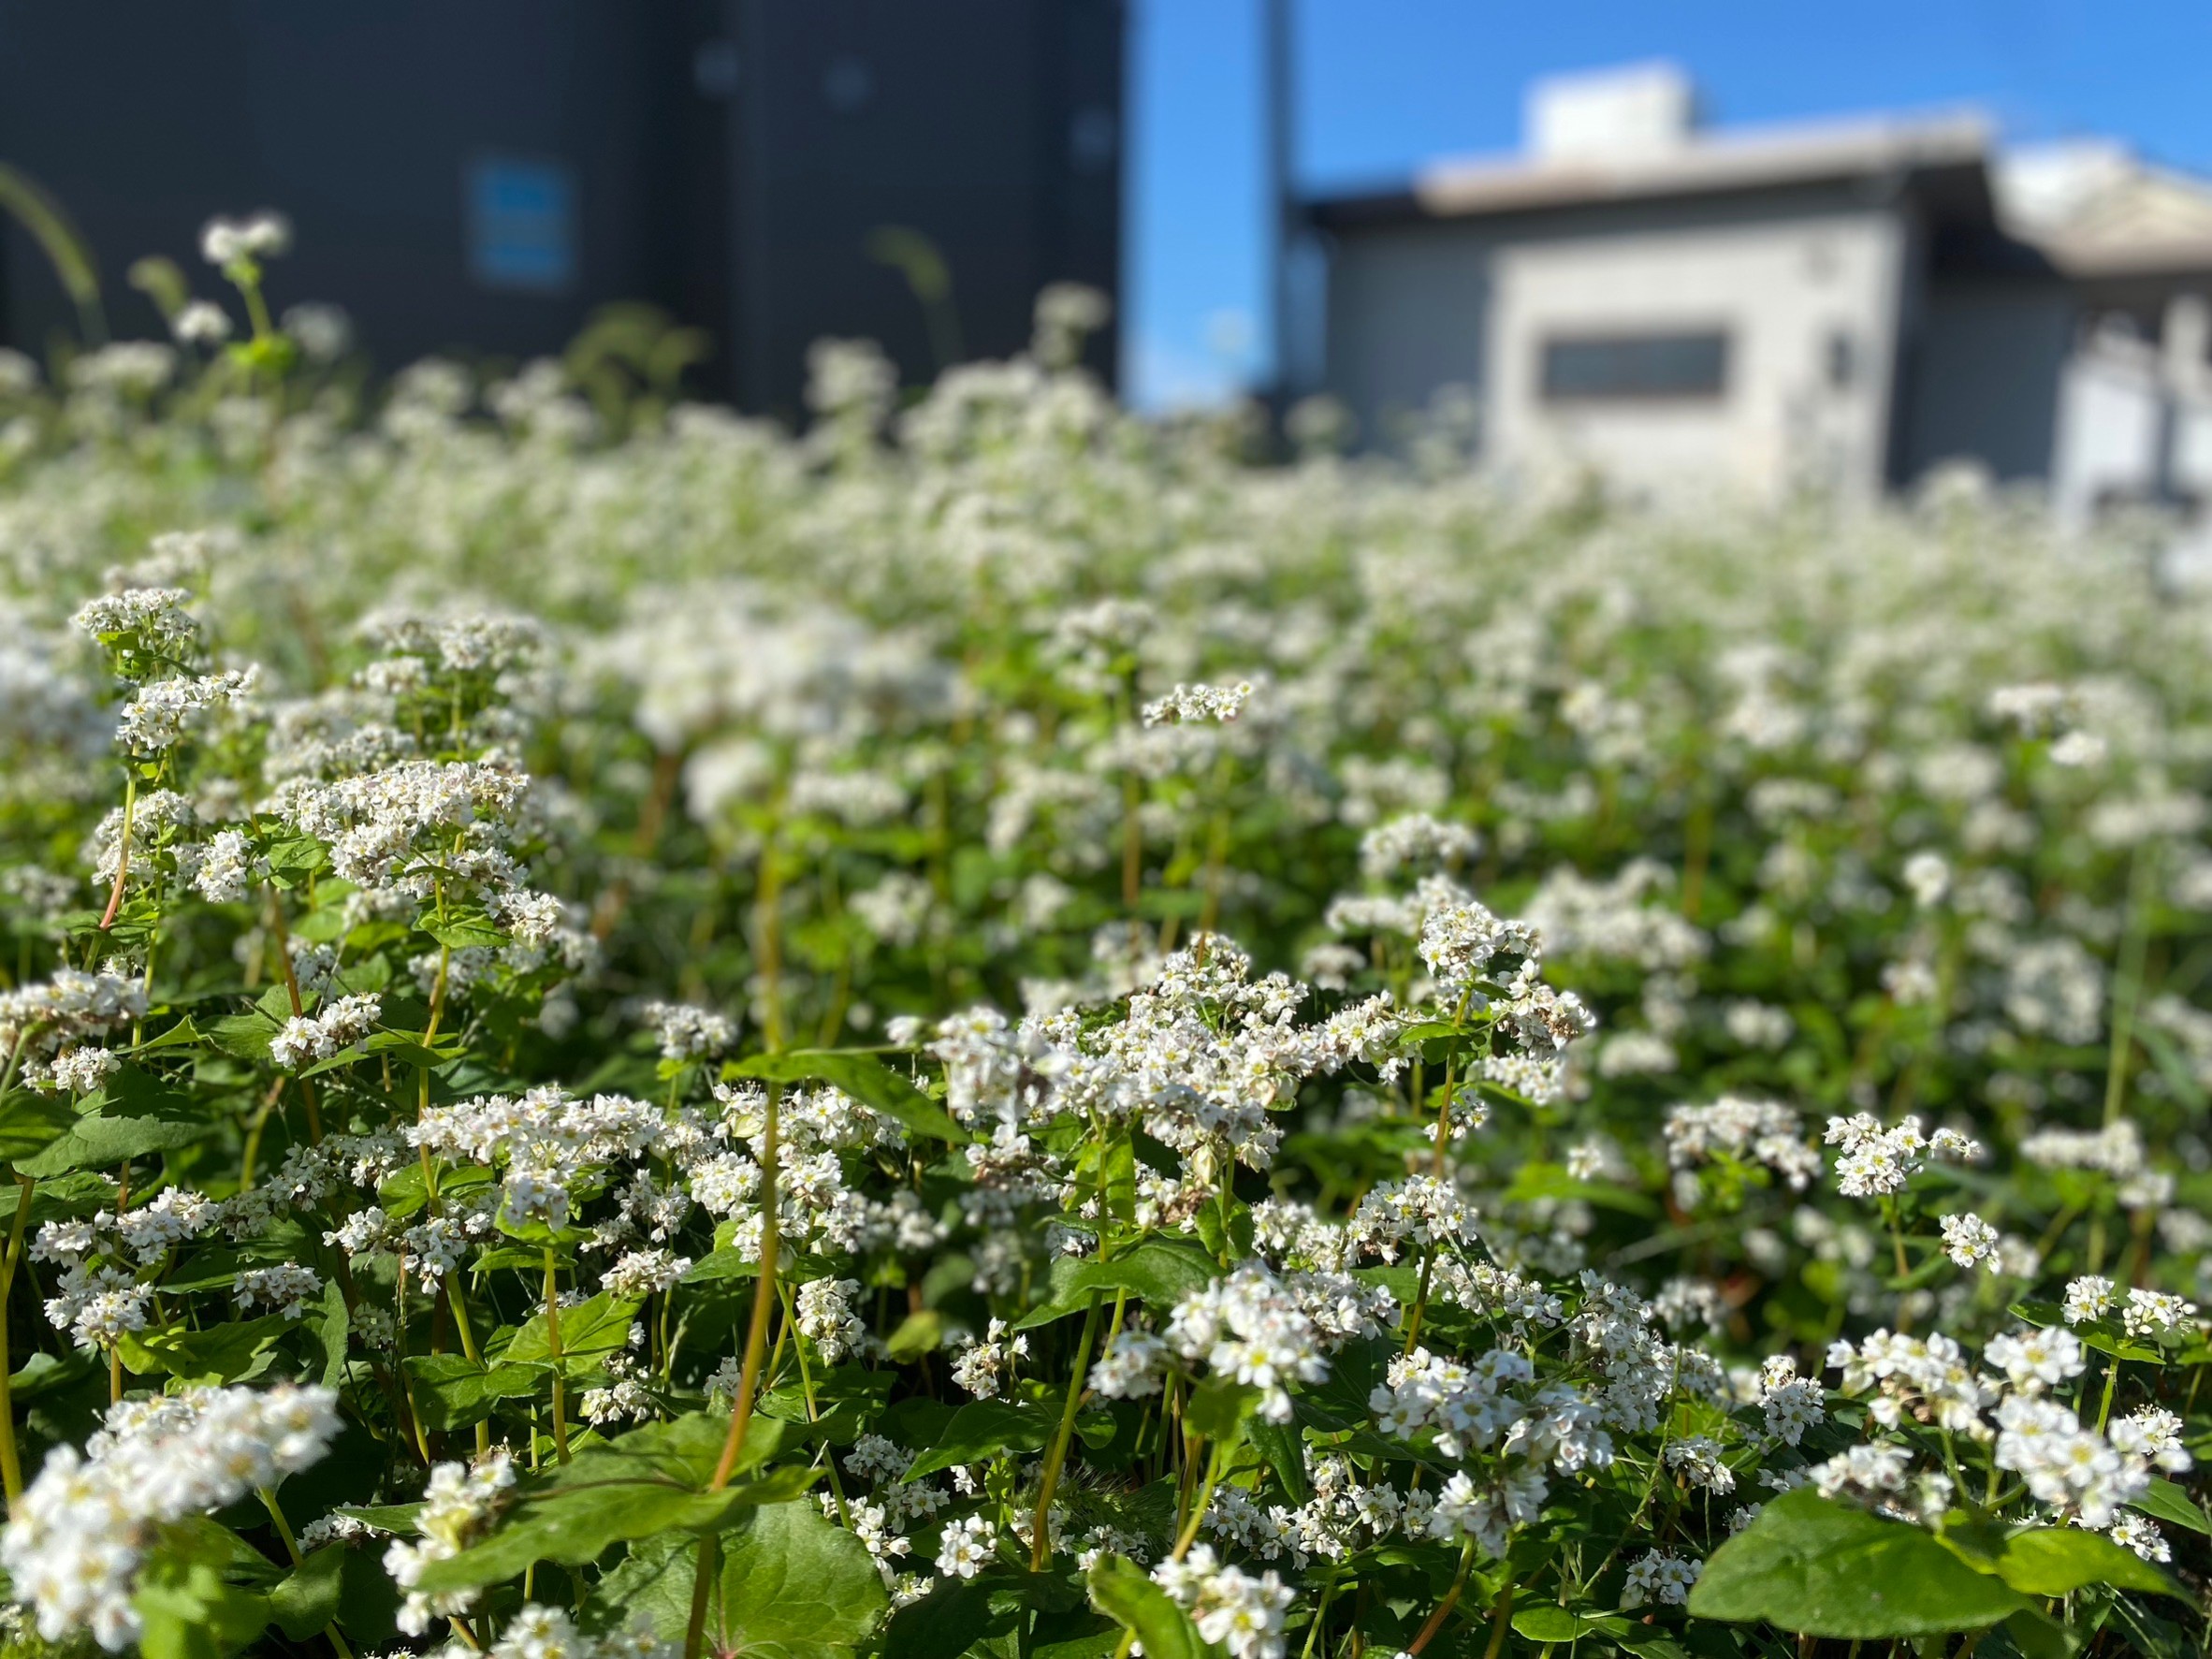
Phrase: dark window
pixel 1635 366
pixel 1842 354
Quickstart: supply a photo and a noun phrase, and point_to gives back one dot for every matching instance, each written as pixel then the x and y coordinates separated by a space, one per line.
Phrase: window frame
pixel 1653 386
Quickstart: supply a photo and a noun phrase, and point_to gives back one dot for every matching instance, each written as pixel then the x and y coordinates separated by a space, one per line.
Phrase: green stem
pixel 1451 1600
pixel 2127 984
pixel 1420 1300
pixel 284 1527
pixel 123 845
pixel 702 1587
pixel 553 1342
pixel 1058 1455
pixel 768 942
pixel 763 1301
pixel 1198 1509
pixel 791 1317
pixel 1320 1615
pixel 11 1471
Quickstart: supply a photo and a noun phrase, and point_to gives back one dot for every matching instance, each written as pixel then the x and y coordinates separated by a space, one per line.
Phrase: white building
pixel 1842 305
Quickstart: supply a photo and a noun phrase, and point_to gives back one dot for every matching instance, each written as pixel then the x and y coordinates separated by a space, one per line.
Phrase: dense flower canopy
pixel 1045 1037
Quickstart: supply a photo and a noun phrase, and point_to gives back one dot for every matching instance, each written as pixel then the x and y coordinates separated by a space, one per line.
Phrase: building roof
pixel 1697 165
pixel 2095 209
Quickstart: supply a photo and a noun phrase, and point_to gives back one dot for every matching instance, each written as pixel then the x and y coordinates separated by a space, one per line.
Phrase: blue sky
pixel 1385 84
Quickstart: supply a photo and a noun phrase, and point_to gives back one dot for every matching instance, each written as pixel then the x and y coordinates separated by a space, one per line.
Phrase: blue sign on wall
pixel 521 223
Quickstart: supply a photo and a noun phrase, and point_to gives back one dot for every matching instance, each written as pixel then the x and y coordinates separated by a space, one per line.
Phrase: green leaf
pixel 798 1586
pixel 189 1612
pixel 30 1120
pixel 1220 1408
pixel 920 1332
pixel 307 1599
pixel 462 928
pixel 2166 1501
pixel 452 1391
pixel 1548 1622
pixel 180 1034
pixel 245 1036
pixel 1284 1448
pixel 291 858
pixel 846 1399
pixel 129 1116
pixel 332 1330
pixel 1540 1181
pixel 2038 1637
pixel 1160 1271
pixel 389 1517
pixel 865 1079
pixel 790 1584
pixel 980 1430
pixel 576 1523
pixel 590 1332
pixel 217 1354
pixel 948 1622
pixel 1120 1590
pixel 724 1263
pixel 2060 1560
pixel 1823 1569
pixel 686 1452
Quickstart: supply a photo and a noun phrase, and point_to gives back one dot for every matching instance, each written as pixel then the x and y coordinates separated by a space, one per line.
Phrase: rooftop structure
pixel 1840 304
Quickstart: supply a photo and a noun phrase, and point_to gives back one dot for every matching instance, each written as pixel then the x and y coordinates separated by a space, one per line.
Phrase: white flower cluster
pixel 1614 919
pixel 825 1314
pixel 1660 1575
pixel 545 1140
pixel 2142 1313
pixel 985 1368
pixel 286 1289
pixel 2114 1150
pixel 306 1038
pixel 409 825
pixel 1414 840
pixel 1749 1131
pixel 142 622
pixel 1242 1611
pixel 1970 1241
pixel 536 1632
pixel 1876 1160
pixel 74 1543
pixel 688 1033
pixel 259 236
pixel 2074 1469
pixel 1930 1376
pixel 228 867
pixel 1198 703
pixel 1247 1327
pixel 162 711
pixel 1202 1058
pixel 46 1017
pixel 457 1505
pixel 1427 1210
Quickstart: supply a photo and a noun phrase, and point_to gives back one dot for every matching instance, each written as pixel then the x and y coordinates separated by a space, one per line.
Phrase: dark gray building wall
pixel 743 204
pixel 143 119
pixel 992 127
pixel 1982 379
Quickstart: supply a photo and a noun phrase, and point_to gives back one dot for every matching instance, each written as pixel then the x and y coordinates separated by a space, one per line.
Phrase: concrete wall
pixel 2126 432
pixel 1791 292
pixel 1786 275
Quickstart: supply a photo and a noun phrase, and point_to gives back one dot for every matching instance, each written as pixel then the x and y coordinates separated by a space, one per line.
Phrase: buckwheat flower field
pixel 992 1030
